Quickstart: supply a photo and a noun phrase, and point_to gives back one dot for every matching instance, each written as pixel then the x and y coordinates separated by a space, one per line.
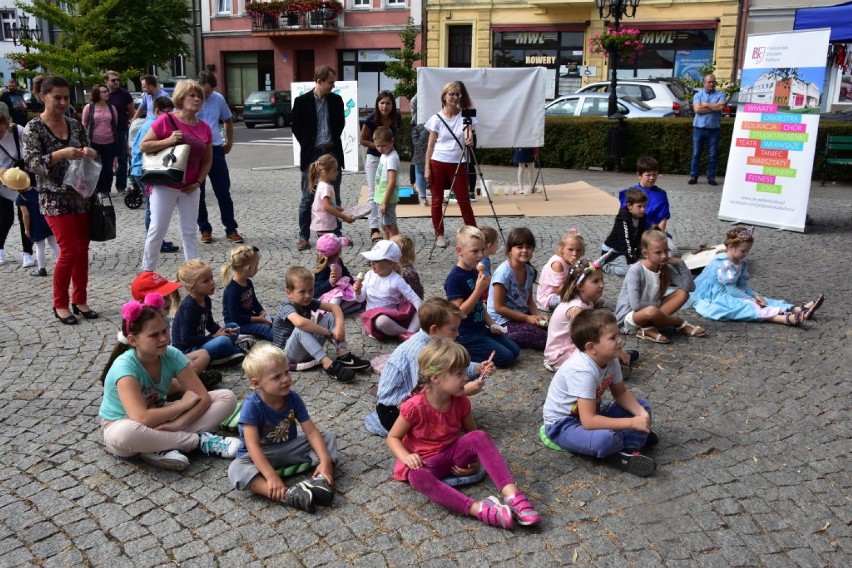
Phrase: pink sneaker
pixel 346 241
pixel 522 510
pixel 495 514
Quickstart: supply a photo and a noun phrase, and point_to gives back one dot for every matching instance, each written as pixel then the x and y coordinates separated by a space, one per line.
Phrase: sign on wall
pixel 348 90
pixel 768 179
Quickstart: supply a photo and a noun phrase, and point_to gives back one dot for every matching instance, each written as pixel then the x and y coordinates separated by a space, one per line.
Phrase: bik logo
pixel 757 54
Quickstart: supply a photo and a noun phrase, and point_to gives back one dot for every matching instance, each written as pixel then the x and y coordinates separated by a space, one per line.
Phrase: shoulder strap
pixel 172 120
pixel 17 144
pixel 441 118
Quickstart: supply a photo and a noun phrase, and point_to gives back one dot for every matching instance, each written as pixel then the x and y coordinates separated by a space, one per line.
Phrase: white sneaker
pixel 168 459
pixel 27 260
pixel 440 242
pixel 214 445
pixel 2 256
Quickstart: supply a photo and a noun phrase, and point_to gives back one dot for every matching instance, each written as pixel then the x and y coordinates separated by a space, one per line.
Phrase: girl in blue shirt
pixel 240 305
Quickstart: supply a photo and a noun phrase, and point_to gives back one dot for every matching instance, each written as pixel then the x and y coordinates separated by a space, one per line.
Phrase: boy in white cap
pixel 392 305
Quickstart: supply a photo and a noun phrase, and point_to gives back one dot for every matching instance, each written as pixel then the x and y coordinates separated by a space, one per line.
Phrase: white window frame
pixel 396 3
pixel 181 66
pixel 362 4
pixel 8 18
pixel 225 7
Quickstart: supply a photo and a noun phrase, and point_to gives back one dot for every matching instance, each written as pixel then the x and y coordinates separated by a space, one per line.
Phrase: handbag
pixel 101 219
pixel 168 166
pixel 19 161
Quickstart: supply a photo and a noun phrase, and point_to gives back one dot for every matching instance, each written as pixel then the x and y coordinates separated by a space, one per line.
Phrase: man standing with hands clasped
pixel 706 128
pixel 318 120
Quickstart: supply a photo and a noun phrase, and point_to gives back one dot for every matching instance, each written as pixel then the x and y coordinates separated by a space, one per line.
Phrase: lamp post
pixel 615 9
pixel 23 32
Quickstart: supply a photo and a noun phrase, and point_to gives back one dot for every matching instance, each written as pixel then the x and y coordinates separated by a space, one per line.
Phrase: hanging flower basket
pixel 625 43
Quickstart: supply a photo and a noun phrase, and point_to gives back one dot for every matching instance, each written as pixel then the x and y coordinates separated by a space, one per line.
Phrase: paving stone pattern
pixel 753 419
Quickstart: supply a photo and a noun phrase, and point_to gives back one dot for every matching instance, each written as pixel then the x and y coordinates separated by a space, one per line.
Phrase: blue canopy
pixel 838 18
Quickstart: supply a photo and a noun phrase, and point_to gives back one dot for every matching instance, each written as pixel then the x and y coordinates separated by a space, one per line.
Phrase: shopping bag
pixel 82 175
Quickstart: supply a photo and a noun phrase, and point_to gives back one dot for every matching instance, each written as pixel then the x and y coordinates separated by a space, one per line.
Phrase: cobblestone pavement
pixel 754 422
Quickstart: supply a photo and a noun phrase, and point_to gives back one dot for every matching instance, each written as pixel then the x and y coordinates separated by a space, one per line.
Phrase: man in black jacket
pixel 318 120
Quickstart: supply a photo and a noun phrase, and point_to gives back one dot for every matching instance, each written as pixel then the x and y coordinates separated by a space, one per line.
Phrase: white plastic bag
pixel 82 175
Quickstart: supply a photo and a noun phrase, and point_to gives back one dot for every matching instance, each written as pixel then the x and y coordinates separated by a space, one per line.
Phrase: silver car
pixel 595 104
pixel 656 93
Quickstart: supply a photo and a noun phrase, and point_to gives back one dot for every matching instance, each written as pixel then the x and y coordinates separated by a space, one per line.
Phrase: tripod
pixel 539 173
pixel 468 156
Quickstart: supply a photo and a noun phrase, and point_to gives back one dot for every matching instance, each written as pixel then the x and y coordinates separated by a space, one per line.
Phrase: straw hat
pixel 15 178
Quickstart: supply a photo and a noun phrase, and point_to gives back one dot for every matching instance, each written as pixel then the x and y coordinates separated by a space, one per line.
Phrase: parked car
pixel 268 107
pixel 597 104
pixel 137 98
pixel 730 110
pixel 656 93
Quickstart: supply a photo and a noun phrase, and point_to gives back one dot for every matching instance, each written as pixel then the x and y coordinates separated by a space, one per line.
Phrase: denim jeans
pixel 220 180
pixel 700 138
pixel 420 180
pixel 568 433
pixel 259 330
pixel 121 154
pixel 308 199
pixel 480 346
pixel 220 347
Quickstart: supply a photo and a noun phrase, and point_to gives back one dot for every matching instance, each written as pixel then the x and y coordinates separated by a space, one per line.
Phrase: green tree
pixel 403 69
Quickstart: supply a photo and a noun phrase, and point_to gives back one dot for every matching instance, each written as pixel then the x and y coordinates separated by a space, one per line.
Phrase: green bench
pixel 838 152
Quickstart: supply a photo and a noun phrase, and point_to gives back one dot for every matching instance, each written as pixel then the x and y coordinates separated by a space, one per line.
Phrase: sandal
pixel 794 319
pixel 642 333
pixel 375 235
pixel 697 330
pixel 809 312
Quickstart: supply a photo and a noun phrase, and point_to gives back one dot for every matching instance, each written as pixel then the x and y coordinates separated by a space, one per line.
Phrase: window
pixel 179 66
pixel 7 17
pixel 225 7
pixel 362 3
pixel 396 3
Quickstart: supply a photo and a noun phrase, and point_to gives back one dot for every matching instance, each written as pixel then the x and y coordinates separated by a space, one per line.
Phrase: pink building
pixel 271 49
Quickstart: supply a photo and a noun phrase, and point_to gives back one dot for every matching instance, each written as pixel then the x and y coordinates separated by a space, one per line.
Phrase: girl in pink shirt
pixel 428 446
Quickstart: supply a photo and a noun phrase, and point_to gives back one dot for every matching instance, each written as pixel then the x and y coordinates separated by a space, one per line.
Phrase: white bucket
pixel 489 186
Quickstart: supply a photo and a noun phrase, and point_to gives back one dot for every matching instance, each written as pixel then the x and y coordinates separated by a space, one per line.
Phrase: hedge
pixel 581 143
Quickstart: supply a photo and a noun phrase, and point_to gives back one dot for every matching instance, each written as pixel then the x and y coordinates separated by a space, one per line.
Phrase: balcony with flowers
pixel 294 17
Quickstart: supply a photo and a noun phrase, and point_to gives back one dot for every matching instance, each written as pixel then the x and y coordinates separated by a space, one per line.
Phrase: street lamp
pixel 23 32
pixel 615 9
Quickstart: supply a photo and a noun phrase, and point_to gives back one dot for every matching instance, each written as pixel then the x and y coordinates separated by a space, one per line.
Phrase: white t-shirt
pixel 446 148
pixel 387 162
pixel 8 144
pixel 578 377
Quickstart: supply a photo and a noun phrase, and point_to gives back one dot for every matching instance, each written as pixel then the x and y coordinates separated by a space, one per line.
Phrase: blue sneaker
pixel 169 246
pixel 214 445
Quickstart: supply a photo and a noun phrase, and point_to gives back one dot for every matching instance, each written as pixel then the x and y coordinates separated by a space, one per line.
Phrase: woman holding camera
pixel 449 133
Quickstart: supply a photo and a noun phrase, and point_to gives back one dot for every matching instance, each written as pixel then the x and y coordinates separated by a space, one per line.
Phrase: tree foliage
pixel 96 35
pixel 403 69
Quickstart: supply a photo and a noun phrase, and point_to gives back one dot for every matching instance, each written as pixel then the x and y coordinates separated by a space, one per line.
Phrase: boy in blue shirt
pixel 657 210
pixel 269 440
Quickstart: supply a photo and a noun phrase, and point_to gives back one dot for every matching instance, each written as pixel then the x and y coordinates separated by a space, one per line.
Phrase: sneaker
pixel 405 336
pixel 206 237
pixel 245 344
pixel 304 244
pixel 121 190
pixel 169 246
pixel 39 272
pixel 632 462
pixel 3 258
pixel 168 459
pixel 300 497
pixel 472 196
pixel 424 202
pixel 345 241
pixel 440 242
pixel 210 378
pixel 712 182
pixel 522 510
pixel 354 362
pixel 27 260
pixel 339 372
pixel 320 489
pixel 235 237
pixel 214 445
pixel 692 181
pixel 493 513
pixel 634 355
pixel 232 359
pixel 653 440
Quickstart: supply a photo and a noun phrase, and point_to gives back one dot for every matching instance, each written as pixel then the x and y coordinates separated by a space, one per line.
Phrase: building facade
pixel 555 34
pixel 263 51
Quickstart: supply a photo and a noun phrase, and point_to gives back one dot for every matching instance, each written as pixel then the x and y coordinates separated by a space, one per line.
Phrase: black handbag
pixel 101 218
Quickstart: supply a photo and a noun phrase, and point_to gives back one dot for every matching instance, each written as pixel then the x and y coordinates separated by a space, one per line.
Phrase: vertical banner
pixel 768 179
pixel 348 90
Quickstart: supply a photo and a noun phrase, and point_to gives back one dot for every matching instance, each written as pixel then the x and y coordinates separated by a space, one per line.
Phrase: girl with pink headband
pixel 332 280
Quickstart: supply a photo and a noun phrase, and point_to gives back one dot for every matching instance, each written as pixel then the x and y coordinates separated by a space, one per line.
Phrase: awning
pixel 838 18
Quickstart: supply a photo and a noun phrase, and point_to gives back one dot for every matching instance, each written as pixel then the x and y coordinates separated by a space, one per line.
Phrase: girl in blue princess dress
pixel 722 292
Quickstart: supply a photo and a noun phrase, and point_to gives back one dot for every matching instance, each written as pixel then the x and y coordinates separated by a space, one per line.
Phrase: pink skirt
pixel 401 315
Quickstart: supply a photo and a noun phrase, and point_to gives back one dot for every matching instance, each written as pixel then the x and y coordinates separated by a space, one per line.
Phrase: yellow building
pixel 679 36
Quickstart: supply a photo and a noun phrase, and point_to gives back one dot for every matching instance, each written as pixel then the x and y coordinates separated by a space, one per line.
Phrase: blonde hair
pixel 464 99
pixel 383 134
pixel 183 88
pixel 438 357
pixel 189 272
pixel 571 235
pixel 316 170
pixel 468 232
pixel 262 358
pixel 297 274
pixel 406 247
pixel 239 260
pixel 579 270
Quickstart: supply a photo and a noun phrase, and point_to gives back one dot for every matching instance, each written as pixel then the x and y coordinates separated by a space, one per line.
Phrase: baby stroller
pixel 134 198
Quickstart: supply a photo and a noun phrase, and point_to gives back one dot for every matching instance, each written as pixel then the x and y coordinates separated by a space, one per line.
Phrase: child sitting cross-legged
pixel 624 243
pixel 268 436
pixel 575 419
pixel 302 340
pixel 438 319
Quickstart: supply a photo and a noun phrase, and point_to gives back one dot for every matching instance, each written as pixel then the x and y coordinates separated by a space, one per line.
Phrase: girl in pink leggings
pixel 142 371
pixel 426 442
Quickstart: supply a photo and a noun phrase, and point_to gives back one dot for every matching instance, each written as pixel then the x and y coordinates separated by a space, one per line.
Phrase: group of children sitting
pixel 448 347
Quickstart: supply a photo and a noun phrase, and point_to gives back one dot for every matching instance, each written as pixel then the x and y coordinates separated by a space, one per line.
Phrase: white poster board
pixel 768 178
pixel 509 102
pixel 348 90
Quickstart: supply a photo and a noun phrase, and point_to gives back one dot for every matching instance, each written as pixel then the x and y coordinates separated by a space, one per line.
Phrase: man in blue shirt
pixel 706 129
pixel 216 109
pixel 152 90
